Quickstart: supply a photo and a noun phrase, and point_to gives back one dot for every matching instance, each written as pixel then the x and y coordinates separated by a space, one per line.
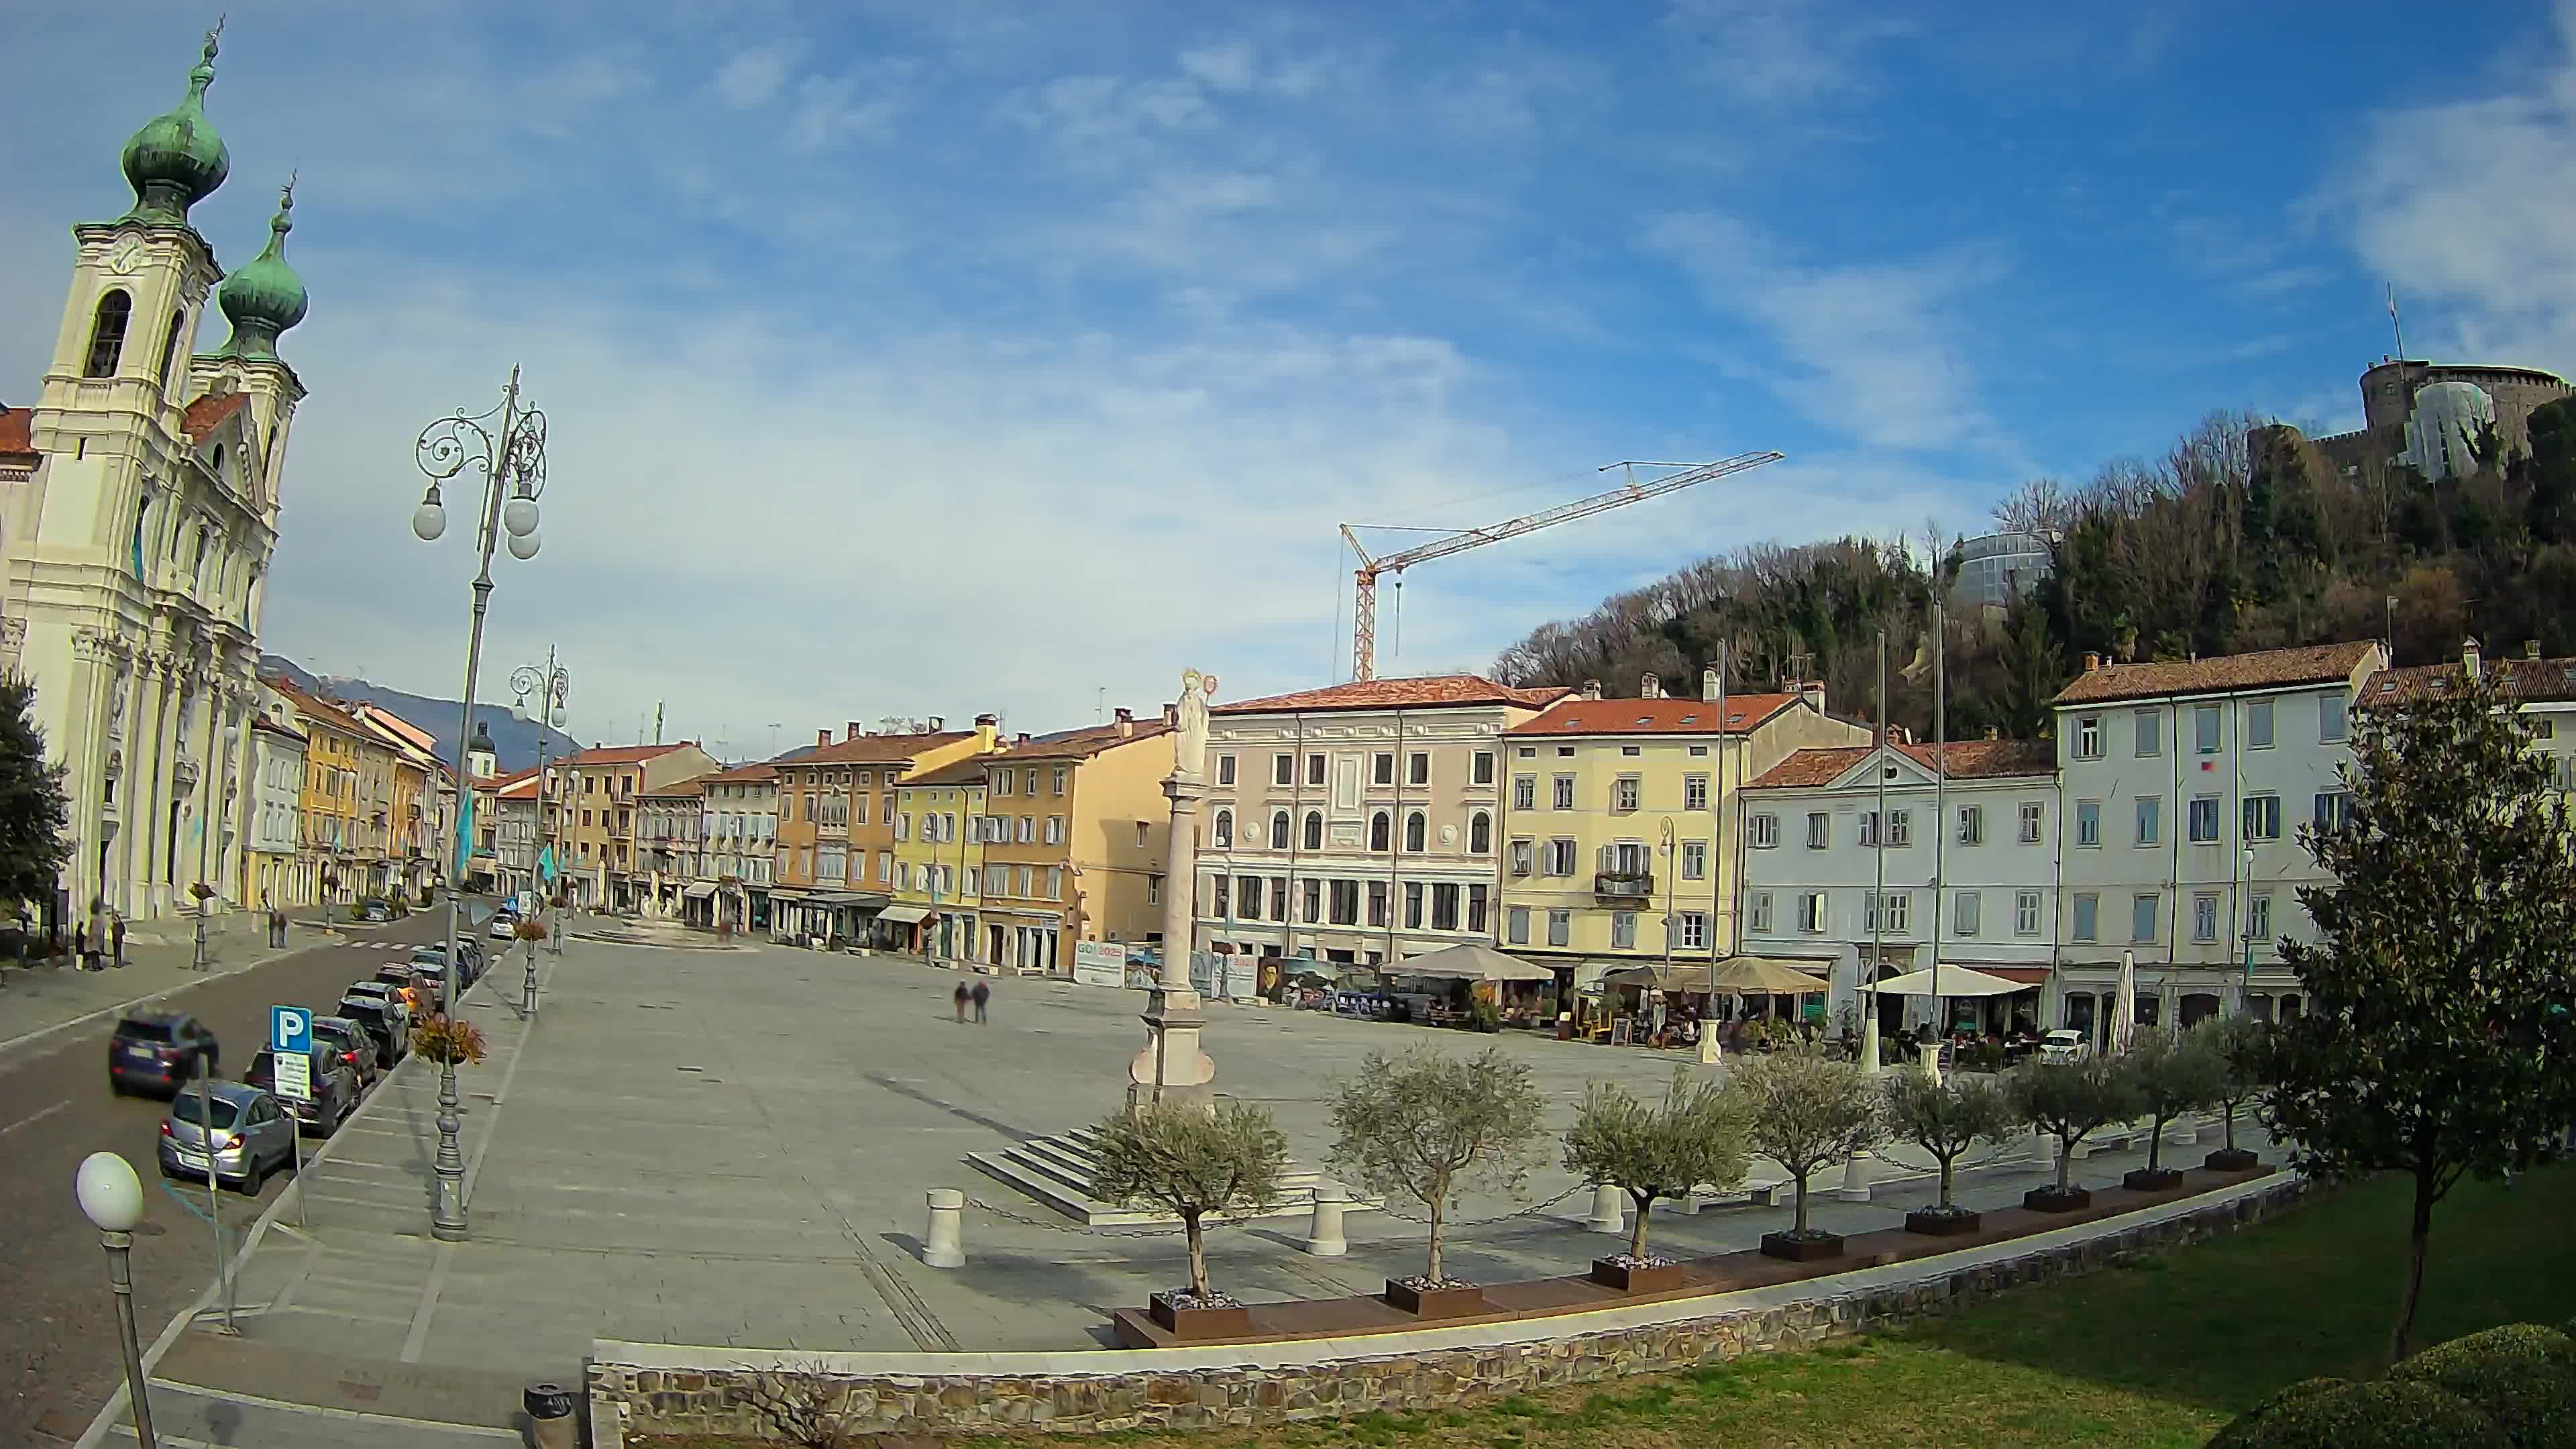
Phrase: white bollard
pixel 944 1245
pixel 1324 1234
pixel 1855 1186
pixel 1609 1210
pixel 2182 1131
pixel 1930 1052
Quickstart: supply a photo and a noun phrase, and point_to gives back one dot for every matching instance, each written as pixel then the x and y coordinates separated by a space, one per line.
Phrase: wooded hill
pixel 2241 537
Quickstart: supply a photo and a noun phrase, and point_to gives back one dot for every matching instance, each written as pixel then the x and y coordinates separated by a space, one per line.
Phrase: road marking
pixel 34 1117
pixel 418 1338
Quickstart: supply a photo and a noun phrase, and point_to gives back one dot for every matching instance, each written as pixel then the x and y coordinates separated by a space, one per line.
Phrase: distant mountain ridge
pixel 514 737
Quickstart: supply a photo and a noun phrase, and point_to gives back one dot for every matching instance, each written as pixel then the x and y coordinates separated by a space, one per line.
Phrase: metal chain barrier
pixel 1024 1220
pixel 1531 1211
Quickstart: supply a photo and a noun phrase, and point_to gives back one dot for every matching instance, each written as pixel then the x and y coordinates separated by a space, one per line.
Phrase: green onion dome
pixel 177 160
pixel 265 297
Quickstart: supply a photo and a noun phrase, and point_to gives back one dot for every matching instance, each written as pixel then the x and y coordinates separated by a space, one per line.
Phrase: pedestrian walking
pixel 983 994
pixel 961 996
pixel 116 935
pixel 80 947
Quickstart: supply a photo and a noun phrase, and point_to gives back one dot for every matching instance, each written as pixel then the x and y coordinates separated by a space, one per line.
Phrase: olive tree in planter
pixel 1694 1139
pixel 1946 1118
pixel 2070 1101
pixel 1807 1113
pixel 2241 1044
pixel 1190 1162
pixel 1427 1126
pixel 2173 1076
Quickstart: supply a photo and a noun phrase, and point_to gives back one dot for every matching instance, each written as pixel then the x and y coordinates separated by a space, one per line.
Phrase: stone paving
pixel 732 1147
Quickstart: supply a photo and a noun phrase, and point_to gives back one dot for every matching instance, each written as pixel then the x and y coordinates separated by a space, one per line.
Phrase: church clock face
pixel 126 257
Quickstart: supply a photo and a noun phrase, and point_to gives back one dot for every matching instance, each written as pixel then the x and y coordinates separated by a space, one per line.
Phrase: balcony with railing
pixel 1619 885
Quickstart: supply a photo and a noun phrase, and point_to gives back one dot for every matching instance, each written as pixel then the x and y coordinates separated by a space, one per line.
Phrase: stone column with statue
pixel 1172 1067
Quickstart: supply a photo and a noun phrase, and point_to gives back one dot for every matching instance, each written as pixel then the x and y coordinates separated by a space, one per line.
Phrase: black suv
pixel 158 1051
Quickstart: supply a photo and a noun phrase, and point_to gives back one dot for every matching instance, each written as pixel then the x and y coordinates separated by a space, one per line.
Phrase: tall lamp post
pixel 552 686
pixel 508 446
pixel 111 1197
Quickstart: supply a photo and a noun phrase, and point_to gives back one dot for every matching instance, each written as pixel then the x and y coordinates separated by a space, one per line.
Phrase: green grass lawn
pixel 2161 1353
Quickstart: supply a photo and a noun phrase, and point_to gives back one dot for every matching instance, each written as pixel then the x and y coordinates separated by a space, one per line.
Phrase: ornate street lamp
pixel 508 446
pixel 553 686
pixel 111 1197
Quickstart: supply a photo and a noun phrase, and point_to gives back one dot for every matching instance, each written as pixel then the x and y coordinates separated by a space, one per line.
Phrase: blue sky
pixel 938 358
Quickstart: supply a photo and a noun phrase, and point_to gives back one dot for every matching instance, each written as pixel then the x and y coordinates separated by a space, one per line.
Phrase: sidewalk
pixel 45 997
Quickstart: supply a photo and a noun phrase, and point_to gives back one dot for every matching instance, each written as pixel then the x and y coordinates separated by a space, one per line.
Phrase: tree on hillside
pixel 33 811
pixel 2437 1042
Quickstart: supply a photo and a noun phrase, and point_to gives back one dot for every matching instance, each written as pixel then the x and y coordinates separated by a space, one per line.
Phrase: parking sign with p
pixel 290 1030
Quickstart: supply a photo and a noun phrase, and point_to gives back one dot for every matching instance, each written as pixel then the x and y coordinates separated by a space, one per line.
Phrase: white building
pixel 136 549
pixel 513 830
pixel 274 817
pixel 741 830
pixel 2544 689
pixel 2185 784
pixel 1975 889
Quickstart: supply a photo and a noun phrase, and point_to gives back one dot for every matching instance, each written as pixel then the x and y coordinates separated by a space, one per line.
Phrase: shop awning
pixel 1469 962
pixel 700 891
pixel 1955 981
pixel 1776 975
pixel 904 915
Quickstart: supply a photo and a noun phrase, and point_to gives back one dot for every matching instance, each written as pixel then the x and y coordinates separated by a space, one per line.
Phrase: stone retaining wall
pixel 649 1401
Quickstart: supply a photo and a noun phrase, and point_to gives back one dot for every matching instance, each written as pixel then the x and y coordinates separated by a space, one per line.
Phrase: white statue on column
pixel 1171 1066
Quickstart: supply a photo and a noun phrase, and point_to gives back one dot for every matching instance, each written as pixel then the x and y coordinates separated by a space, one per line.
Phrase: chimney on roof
pixel 1814 695
pixel 1126 719
pixel 1708 684
pixel 1024 737
pixel 938 722
pixel 2469 658
pixel 2092 662
pixel 1650 687
pixel 1592 689
pixel 1171 716
pixel 850 730
pixel 2530 648
pixel 988 727
pixel 1993 733
pixel 822 737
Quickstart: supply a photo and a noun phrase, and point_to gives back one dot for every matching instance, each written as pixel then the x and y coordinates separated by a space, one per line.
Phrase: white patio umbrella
pixel 2124 1010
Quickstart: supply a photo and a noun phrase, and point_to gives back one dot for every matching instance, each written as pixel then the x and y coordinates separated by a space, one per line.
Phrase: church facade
pixel 138 538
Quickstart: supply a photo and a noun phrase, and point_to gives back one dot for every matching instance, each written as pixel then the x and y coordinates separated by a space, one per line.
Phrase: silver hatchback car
pixel 238 1133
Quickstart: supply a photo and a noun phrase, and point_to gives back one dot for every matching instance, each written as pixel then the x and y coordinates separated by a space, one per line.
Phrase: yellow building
pixel 1619 824
pixel 328 854
pixel 938 860
pixel 411 824
pixel 1075 828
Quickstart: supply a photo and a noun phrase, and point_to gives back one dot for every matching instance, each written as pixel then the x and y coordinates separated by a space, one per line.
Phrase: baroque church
pixel 138 514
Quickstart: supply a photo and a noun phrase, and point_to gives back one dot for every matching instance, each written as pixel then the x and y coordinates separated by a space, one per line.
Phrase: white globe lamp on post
pixel 111 1197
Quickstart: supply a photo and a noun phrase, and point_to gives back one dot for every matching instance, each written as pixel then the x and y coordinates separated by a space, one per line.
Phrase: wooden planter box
pixel 1933 1223
pixel 2050 1200
pixel 1192 1325
pixel 2231 1159
pixel 1814 1248
pixel 1436 1302
pixel 2162 1179
pixel 1662 1278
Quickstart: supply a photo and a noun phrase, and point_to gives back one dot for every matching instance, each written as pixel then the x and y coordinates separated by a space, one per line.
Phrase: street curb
pixel 40 1033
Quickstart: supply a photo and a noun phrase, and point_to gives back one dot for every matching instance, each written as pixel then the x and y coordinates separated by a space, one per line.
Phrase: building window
pixel 1757 911
pixel 1314 769
pixel 1560 857
pixel 2258 724
pixel 1820 830
pixel 2088 822
pixel 1868 829
pixel 1224 830
pixel 2033 816
pixel 1283 771
pixel 1153 890
pixel 1967 914
pixel 2204 917
pixel 1524 857
pixel 107 332
pixel 1900 827
pixel 2088 737
pixel 1564 797
pixel 2204 729
pixel 1525 792
pixel 2026 913
pixel 1972 825
pixel 1382 769
pixel 1279 898
pixel 2262 817
pixel 1248 895
pixel 1225 769
pixel 1623 930
pixel 1002 782
pixel 1900 912
pixel 1516 926
pixel 1345 905
pixel 1314 830
pixel 1419 768
pixel 2088 915
pixel 1417 831
pixel 2151 733
pixel 1278 830
pixel 1694 860
pixel 1055 829
pixel 2151 819
pixel 1220 897
pixel 1624 794
pixel 1313 892
pixel 2142 917
pixel 2330 719
pixel 1413 905
pixel 1056 782
pixel 2333 809
pixel 1763 831
pixel 1560 927
pixel 2258 916
pixel 1694 792
pixel 1381 833
pixel 1444 906
pixel 1813 912
pixel 1377 903
pixel 1484 771
pixel 1480 834
pixel 2204 820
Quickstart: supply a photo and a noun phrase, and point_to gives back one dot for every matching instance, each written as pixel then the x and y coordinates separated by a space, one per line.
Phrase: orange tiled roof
pixel 878 749
pixel 17 431
pixel 1666 716
pixel 694 785
pixel 518 787
pixel 207 413
pixel 263 722
pixel 328 711
pixel 1431 691
pixel 2310 664
pixel 1081 744
pixel 743 774
pixel 1968 760
pixel 622 754
pixel 968 771
pixel 2515 678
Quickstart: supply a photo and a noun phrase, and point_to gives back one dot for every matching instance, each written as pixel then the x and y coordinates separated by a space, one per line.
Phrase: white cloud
pixel 755 76
pixel 1781 52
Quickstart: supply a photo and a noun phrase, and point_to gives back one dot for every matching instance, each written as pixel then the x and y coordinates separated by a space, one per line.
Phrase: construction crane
pixel 1364 614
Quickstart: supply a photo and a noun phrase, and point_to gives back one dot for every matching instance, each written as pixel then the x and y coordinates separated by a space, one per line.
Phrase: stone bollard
pixel 944 1245
pixel 1324 1234
pixel 2182 1131
pixel 1609 1210
pixel 1855 1186
pixel 1931 1057
pixel 551 1422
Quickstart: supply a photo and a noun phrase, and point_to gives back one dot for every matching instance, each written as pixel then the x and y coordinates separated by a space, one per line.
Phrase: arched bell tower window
pixel 170 347
pixel 107 333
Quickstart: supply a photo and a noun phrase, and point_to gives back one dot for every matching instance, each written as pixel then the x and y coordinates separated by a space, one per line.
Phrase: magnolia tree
pixel 1428 1126
pixel 2242 1045
pixel 2437 1043
pixel 1191 1162
pixel 1695 1138
pixel 2070 1101
pixel 1805 1112
pixel 2173 1075
pixel 1946 1118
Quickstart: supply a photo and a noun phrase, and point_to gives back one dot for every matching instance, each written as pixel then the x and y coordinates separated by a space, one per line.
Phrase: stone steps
pixel 1057 1171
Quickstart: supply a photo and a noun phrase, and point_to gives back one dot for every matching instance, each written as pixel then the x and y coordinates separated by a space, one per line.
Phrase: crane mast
pixel 1364 612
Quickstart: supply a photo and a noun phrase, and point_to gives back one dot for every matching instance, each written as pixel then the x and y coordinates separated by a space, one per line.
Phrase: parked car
pixel 404 980
pixel 2064 1045
pixel 335 1089
pixel 385 1021
pixel 378 911
pixel 469 958
pixel 236 1132
pixel 353 1043
pixel 504 927
pixel 158 1051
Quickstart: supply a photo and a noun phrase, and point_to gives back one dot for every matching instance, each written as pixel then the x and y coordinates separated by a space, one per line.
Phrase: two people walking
pixel 276 925
pixel 979 995
pixel 99 940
